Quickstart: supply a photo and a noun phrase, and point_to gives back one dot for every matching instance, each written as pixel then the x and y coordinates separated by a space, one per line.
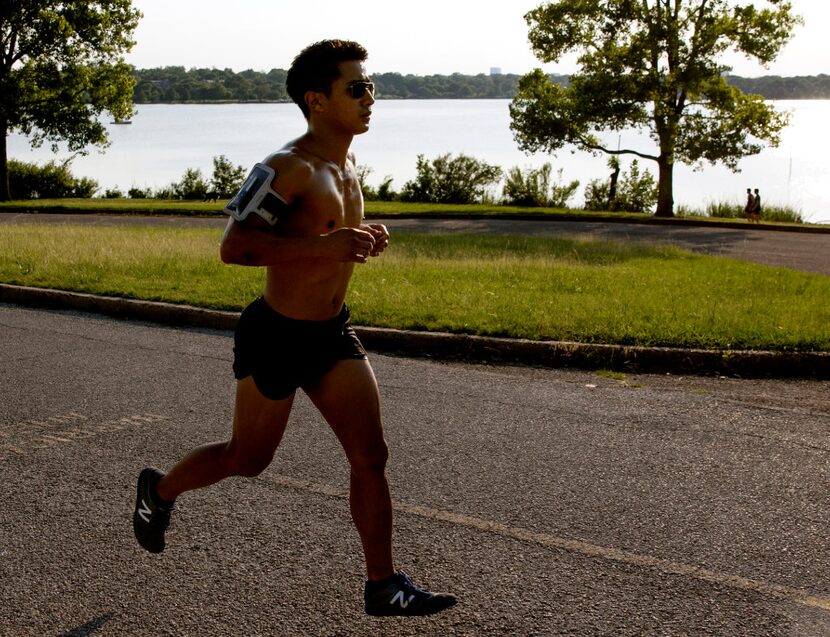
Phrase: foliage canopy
pixel 61 67
pixel 653 65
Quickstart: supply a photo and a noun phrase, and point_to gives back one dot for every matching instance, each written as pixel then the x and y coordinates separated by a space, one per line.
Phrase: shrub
pixel 52 180
pixel 532 187
pixel 724 210
pixel 635 191
pixel 165 192
pixel 461 180
pixel 191 186
pixel 385 192
pixel 363 172
pixel 113 193
pixel 227 179
pixel 597 195
pixel 138 193
pixel 781 213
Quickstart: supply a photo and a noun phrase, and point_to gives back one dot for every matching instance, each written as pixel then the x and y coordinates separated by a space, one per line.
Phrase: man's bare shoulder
pixel 293 171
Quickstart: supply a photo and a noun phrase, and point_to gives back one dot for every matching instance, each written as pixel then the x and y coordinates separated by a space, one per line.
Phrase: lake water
pixel 166 139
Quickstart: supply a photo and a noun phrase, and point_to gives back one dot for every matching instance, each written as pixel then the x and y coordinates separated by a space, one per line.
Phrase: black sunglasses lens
pixel 359 89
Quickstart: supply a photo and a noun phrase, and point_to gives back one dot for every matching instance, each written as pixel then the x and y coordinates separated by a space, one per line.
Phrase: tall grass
pixel 777 213
pixel 517 286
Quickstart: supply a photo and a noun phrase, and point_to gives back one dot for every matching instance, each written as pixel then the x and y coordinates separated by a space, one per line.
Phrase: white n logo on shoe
pixel 399 598
pixel 144 511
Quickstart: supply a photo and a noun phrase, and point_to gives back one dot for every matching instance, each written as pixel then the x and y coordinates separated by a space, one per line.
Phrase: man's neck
pixel 328 146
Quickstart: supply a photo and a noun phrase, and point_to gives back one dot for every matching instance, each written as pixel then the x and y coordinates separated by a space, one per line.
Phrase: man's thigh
pixel 258 422
pixel 348 398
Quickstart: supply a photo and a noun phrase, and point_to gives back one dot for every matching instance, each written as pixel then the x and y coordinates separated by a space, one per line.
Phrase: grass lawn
pixel 517 286
pixel 374 209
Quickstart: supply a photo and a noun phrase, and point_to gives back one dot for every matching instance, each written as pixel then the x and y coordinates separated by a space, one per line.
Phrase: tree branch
pixel 627 151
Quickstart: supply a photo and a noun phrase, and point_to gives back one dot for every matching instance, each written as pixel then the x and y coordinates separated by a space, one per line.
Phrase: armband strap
pixel 257 196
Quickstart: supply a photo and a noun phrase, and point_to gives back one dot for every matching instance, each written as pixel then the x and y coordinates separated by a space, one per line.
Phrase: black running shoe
pixel 150 519
pixel 398 595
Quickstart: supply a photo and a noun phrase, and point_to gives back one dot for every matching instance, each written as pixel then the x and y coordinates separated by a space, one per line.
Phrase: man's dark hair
pixel 316 68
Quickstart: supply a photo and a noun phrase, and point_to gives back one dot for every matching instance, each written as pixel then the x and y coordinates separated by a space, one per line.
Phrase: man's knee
pixel 372 459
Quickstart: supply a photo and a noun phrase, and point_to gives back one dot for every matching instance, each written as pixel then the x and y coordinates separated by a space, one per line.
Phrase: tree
pixel 61 67
pixel 653 65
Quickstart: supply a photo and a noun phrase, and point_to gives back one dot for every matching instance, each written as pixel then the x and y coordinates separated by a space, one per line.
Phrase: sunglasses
pixel 358 89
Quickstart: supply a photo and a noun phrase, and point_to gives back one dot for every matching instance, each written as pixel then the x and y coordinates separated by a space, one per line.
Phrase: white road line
pixel 670 567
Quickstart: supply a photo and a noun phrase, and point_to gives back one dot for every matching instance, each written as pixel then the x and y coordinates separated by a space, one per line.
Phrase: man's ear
pixel 315 101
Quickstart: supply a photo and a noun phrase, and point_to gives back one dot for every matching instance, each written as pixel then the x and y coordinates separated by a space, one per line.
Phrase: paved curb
pixel 480 349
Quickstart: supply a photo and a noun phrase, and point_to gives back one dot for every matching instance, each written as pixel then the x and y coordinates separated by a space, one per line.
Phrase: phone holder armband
pixel 257 196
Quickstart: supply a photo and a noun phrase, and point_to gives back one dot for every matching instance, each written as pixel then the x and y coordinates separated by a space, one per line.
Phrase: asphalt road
pixel 806 251
pixel 553 502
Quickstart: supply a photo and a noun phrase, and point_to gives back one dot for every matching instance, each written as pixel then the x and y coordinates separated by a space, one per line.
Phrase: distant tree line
pixel 175 84
pixel 774 87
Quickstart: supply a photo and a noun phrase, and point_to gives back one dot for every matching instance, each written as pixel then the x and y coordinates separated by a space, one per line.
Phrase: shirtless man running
pixel 300 215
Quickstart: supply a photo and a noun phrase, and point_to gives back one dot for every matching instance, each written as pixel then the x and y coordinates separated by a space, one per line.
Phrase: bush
pixel 385 192
pixel 724 210
pixel 227 179
pixel 363 172
pixel 138 193
pixel 166 192
pixel 462 180
pixel 597 195
pixel 532 187
pixel 635 191
pixel 113 193
pixel 781 213
pixel 53 180
pixel 191 186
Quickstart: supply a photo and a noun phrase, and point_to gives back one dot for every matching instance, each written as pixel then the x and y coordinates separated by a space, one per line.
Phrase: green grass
pixel 529 287
pixel 116 206
pixel 714 213
pixel 374 208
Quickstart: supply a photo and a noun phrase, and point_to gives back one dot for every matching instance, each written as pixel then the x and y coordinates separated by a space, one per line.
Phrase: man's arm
pixel 254 242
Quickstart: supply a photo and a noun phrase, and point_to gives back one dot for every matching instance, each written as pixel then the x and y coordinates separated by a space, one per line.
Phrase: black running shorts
pixel 283 354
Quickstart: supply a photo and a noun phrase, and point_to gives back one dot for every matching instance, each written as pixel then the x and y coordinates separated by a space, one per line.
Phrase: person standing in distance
pixel 756 207
pixel 300 215
pixel 750 204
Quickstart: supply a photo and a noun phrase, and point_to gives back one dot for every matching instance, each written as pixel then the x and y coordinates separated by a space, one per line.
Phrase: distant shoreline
pixel 404 99
pixel 177 85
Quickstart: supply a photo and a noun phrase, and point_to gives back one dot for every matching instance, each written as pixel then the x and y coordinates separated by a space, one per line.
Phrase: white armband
pixel 257 196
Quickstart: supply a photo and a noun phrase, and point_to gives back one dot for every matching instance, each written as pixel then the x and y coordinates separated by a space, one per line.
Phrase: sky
pixel 424 37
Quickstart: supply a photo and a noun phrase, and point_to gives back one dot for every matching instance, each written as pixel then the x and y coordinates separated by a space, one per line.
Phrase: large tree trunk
pixel 665 186
pixel 5 194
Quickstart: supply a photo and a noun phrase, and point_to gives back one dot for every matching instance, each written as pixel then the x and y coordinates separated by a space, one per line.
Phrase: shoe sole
pixel 400 612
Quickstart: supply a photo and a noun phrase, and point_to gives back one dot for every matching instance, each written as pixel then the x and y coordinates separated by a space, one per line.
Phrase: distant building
pixel 495 70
